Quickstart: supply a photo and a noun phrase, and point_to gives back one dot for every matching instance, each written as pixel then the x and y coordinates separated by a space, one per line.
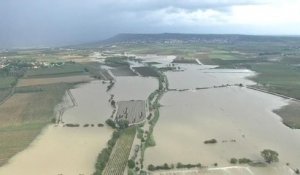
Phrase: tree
pixel 111 123
pixel 123 124
pixel 233 160
pixel 151 167
pixel 270 155
pixel 131 164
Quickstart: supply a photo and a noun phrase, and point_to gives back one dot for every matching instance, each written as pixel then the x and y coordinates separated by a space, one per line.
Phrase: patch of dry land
pixel 53 80
pixel 12 109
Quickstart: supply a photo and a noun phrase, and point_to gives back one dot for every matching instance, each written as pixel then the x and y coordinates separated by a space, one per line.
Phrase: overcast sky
pixel 26 23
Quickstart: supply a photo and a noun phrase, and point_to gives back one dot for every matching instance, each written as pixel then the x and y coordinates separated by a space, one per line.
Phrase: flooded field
pixel 52 150
pixel 240 119
pixel 133 88
pixel 199 76
pixel 60 150
pixel 92 104
pixel 64 150
pixel 133 111
pixel 243 126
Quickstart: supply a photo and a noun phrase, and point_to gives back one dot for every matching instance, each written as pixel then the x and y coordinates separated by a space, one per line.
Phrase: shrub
pixel 211 141
pixel 244 161
pixel 53 120
pixel 181 165
pixel 110 123
pixel 71 125
pixel 151 167
pixel 131 164
pixel 233 160
pixel 123 124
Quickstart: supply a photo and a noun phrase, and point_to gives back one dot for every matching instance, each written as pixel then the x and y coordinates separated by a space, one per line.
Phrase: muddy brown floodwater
pixel 70 151
pixel 240 119
pixel 64 150
pixel 133 88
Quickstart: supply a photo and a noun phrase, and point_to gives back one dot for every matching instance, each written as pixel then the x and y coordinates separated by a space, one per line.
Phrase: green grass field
pixel 280 78
pixel 7 82
pixel 64 70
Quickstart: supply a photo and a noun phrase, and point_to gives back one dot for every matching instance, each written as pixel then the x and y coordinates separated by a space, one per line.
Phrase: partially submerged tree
pixel 111 123
pixel 270 155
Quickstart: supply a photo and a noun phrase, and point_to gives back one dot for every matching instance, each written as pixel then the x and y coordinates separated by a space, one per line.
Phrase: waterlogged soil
pixel 133 88
pixel 201 76
pixel 238 118
pixel 74 150
pixel 65 150
pixel 60 150
pixel 92 106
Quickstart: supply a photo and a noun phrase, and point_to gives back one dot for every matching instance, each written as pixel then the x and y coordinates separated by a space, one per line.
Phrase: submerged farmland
pixel 150 115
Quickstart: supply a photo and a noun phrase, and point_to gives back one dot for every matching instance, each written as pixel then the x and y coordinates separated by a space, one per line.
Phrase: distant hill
pixel 189 38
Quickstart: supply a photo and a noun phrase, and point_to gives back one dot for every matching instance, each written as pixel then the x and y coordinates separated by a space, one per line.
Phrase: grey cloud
pixel 59 22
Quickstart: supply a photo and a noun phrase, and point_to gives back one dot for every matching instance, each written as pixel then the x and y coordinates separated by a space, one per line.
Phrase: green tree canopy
pixel 270 155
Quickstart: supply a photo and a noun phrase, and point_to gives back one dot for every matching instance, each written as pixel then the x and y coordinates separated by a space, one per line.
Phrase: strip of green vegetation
pixel 58 70
pixel 147 71
pixel 104 155
pixel 172 166
pixel 117 61
pixel 154 107
pixel 113 159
